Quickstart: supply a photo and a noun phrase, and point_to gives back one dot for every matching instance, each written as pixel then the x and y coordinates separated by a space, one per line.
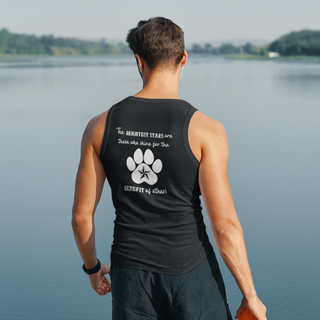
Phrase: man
pixel 159 153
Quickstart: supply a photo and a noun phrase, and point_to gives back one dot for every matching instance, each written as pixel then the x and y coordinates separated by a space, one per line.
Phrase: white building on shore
pixel 274 54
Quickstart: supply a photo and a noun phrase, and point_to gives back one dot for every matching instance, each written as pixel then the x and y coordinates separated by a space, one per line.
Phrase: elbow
pixel 228 229
pixel 227 236
pixel 74 222
pixel 79 220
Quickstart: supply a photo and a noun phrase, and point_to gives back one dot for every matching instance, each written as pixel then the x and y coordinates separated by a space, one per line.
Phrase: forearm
pixel 231 246
pixel 84 234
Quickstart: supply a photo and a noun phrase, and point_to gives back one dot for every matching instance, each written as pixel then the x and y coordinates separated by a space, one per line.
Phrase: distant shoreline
pixel 63 56
pixel 229 56
pixel 281 58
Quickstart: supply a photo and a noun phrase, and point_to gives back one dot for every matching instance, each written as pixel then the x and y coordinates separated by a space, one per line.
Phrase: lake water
pixel 271 112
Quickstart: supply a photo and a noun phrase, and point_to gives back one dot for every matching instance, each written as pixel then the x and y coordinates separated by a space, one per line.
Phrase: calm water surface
pixel 270 111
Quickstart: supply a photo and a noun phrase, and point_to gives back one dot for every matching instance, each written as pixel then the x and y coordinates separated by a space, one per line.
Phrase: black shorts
pixel 196 295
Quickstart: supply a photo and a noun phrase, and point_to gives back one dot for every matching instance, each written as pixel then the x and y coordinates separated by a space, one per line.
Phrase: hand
pixel 255 306
pixel 100 284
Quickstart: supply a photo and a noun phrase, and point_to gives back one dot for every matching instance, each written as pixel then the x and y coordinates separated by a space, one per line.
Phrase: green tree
pixel 3 40
pixel 248 48
pixel 209 49
pixel 196 49
pixel 47 42
pixel 305 42
pixel 228 48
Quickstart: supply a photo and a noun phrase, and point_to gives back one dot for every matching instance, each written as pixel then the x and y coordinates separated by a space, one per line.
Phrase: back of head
pixel 158 41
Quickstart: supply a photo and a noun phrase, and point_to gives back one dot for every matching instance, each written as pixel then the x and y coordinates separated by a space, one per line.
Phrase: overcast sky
pixel 201 20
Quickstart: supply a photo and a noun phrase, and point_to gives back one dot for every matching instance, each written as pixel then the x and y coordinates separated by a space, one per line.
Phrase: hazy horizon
pixel 214 42
pixel 207 21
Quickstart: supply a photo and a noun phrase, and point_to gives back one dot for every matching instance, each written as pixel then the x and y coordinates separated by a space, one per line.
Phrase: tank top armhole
pixel 186 143
pixel 106 132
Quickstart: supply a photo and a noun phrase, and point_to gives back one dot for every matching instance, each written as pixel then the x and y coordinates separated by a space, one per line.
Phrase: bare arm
pixel 217 197
pixel 88 189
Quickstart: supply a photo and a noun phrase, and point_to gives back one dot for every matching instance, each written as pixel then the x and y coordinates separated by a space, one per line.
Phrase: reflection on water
pixel 299 80
pixel 59 62
pixel 271 114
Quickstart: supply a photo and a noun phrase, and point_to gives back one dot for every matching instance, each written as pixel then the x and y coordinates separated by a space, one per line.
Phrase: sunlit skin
pixel 208 141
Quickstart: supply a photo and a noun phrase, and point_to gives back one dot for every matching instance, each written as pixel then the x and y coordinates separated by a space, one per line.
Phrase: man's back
pixel 208 146
pixel 153 176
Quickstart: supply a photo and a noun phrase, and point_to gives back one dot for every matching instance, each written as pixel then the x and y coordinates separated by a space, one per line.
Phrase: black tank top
pixel 153 176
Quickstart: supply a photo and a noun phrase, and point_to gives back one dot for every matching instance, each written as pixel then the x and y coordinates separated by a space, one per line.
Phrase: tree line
pixel 11 43
pixel 305 42
pixel 228 48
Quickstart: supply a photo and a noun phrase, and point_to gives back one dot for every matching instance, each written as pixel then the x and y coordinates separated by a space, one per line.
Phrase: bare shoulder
pixel 93 134
pixel 206 126
pixel 206 135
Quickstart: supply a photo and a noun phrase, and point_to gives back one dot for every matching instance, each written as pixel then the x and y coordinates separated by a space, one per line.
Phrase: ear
pixel 184 59
pixel 140 62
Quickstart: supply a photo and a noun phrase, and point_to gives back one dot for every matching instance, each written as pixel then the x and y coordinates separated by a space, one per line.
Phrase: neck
pixel 160 84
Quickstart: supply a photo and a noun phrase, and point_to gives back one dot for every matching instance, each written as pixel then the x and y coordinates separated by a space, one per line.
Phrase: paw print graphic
pixel 143 167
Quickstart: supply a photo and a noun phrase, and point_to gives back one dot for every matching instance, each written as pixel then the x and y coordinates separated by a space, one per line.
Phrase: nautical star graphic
pixel 143 167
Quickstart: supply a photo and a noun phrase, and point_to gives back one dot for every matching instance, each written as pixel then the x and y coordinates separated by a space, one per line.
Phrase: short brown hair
pixel 158 41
